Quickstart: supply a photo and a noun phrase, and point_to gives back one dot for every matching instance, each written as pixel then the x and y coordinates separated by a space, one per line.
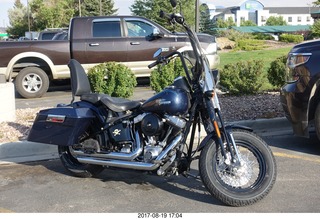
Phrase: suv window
pixel 106 29
pixel 139 28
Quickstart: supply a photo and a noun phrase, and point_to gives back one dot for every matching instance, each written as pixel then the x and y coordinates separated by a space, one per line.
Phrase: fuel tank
pixel 172 101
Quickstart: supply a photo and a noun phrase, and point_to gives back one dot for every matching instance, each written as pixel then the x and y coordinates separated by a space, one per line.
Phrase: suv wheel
pixel 32 82
pixel 317 121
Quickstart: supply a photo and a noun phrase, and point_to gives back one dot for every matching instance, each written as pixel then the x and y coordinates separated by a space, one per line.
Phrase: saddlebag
pixel 60 126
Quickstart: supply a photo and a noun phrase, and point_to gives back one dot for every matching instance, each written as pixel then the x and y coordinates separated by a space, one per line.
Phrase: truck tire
pixel 317 121
pixel 32 82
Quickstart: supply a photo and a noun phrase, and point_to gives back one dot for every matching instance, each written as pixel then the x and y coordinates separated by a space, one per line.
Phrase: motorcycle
pixel 98 131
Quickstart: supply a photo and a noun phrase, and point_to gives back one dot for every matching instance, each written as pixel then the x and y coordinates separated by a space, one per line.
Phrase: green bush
pixel 242 77
pixel 112 78
pixel 277 72
pixel 291 38
pixel 164 75
pixel 250 45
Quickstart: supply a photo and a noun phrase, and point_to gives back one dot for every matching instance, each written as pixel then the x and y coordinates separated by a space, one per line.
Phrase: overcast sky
pixel 123 5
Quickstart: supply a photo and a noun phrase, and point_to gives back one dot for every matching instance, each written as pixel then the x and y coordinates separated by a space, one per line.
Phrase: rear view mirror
pixel 173 3
pixel 157 53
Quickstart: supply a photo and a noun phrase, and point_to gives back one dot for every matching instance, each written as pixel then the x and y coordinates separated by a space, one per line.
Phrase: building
pixel 256 11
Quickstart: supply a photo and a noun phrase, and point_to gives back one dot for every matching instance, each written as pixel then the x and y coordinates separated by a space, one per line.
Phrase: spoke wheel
pixel 244 182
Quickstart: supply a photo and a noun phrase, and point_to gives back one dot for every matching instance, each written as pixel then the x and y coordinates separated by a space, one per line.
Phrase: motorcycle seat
pixel 115 104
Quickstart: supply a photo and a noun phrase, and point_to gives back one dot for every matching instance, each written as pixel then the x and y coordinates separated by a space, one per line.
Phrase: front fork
pixel 224 137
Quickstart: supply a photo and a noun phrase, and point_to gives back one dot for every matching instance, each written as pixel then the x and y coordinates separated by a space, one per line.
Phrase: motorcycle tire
pixel 239 185
pixel 73 166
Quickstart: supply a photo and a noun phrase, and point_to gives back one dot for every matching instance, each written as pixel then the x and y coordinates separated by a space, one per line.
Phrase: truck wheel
pixel 32 82
pixel 317 121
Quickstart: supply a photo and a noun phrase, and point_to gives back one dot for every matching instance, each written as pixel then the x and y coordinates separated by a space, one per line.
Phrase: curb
pixel 24 151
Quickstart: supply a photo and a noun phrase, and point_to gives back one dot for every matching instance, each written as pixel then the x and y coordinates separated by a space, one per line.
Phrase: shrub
pixel 250 44
pixel 164 75
pixel 243 77
pixel 277 71
pixel 112 78
pixel 290 38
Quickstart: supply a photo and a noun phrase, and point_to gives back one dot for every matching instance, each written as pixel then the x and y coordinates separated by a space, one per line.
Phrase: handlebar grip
pixel 153 64
pixel 165 15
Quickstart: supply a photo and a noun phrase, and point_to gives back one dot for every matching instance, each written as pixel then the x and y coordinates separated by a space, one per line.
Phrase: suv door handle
pixel 134 43
pixel 94 44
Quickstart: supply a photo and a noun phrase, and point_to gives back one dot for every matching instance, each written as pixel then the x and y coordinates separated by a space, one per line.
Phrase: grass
pixel 267 55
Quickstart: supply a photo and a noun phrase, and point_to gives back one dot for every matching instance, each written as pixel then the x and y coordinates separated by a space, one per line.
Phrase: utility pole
pixel 197 18
pixel 28 12
pixel 80 8
pixel 100 8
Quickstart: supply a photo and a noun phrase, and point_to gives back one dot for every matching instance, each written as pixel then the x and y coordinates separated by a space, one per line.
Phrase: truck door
pixel 140 47
pixel 106 43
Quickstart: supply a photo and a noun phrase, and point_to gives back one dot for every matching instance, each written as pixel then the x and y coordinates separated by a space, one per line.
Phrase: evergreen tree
pixel 97 7
pixel 151 10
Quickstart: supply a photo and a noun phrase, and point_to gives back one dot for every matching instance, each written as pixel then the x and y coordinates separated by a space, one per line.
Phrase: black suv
pixel 300 97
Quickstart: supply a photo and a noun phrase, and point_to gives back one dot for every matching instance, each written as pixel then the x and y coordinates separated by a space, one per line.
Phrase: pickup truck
pixel 130 40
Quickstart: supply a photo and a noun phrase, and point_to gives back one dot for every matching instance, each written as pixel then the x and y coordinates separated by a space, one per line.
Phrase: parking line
pixel 278 154
pixel 3 210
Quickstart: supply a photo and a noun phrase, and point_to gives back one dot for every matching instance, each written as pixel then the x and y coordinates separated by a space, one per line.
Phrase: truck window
pixel 139 28
pixel 106 29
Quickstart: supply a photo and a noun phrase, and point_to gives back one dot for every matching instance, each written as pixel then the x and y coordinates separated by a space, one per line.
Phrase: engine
pixel 158 131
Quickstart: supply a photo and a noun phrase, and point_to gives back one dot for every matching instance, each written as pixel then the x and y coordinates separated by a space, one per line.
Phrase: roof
pixel 292 10
pixel 272 29
pixel 276 10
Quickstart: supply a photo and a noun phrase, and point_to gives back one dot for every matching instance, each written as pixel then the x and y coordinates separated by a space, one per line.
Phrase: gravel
pixel 234 108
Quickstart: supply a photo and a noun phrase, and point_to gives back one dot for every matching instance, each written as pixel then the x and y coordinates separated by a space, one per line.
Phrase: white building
pixel 255 11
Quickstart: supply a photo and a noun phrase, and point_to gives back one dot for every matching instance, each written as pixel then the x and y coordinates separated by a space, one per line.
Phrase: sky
pixel 123 5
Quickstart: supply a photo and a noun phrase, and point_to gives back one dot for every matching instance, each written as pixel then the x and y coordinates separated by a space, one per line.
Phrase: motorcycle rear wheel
pixel 239 185
pixel 73 166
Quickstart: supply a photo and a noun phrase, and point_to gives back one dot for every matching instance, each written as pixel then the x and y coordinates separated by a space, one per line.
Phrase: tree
pixel 220 23
pixel 316 3
pixel 151 9
pixel 315 28
pixel 51 13
pixel 97 7
pixel 276 21
pixel 205 21
pixel 18 18
pixel 248 23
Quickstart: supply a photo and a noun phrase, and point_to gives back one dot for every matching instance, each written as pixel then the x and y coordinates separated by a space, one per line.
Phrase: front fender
pixel 212 135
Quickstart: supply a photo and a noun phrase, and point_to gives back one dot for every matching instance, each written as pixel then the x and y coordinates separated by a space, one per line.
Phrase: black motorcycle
pixel 98 131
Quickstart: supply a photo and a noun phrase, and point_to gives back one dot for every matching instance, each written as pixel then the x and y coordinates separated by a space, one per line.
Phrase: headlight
pixel 212 48
pixel 295 59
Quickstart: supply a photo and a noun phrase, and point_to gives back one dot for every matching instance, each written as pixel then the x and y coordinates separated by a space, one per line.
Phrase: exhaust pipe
pixel 131 164
pixel 119 163
pixel 114 155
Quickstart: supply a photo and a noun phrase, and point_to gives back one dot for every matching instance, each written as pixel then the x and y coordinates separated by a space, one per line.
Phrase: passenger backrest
pixel 79 80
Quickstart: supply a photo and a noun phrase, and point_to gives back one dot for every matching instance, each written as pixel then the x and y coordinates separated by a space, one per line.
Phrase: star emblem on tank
pixel 116 132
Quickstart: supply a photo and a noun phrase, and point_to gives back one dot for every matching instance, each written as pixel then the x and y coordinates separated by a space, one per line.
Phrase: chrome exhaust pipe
pixel 114 155
pixel 119 163
pixel 131 164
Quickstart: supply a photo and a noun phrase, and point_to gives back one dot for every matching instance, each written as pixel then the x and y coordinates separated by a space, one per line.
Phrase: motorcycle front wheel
pixel 238 184
pixel 73 166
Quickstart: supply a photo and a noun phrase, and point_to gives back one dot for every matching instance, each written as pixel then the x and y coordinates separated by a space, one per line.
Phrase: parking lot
pixel 44 186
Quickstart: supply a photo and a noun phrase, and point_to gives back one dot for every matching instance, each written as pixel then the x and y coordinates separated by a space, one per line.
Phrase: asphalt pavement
pixel 24 151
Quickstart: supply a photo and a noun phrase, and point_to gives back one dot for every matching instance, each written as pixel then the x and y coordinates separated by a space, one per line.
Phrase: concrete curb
pixel 24 151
